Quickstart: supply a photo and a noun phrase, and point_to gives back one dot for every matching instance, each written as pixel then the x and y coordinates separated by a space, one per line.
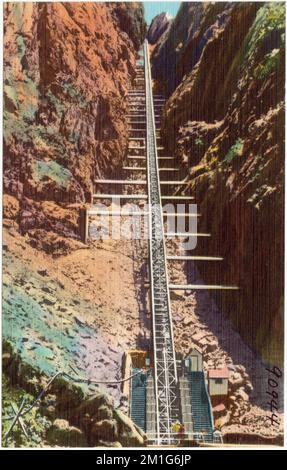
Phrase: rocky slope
pixel 224 120
pixel 48 329
pixel 199 322
pixel 158 27
pixel 65 416
pixel 67 68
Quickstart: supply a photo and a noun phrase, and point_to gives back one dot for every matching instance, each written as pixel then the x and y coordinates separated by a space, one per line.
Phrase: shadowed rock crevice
pixel 224 121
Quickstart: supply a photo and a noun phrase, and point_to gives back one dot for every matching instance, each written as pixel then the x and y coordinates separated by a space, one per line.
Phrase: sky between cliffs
pixel 154 8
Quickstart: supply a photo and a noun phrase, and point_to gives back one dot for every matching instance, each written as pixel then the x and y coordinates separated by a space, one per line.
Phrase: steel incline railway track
pixel 165 372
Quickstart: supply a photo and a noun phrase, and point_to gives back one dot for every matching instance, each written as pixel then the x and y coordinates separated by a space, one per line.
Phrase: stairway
pixel 201 411
pixel 138 399
pixel 185 401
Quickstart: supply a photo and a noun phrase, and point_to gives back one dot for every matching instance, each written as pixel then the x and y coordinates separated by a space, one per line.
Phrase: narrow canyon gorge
pixel 77 306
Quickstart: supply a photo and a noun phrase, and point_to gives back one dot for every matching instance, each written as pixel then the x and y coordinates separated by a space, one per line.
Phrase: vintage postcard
pixel 143 226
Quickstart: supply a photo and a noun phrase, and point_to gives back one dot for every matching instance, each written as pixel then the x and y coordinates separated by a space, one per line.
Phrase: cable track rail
pixel 165 371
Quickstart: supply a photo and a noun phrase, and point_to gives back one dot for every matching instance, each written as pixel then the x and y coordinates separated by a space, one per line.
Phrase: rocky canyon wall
pixel 67 68
pixel 222 67
pixel 159 25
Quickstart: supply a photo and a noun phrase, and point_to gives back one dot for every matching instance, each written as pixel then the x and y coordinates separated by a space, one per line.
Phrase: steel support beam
pixel 200 287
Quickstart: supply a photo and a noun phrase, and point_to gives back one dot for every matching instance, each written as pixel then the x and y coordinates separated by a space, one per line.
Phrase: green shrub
pixel 52 170
pixel 269 65
pixel 270 17
pixel 199 142
pixel 234 151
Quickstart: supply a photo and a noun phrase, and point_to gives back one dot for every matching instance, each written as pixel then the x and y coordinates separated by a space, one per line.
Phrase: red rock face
pixel 67 68
pixel 225 122
pixel 158 27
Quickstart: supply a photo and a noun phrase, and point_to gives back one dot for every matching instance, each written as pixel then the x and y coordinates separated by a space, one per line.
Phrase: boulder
pixel 69 396
pixel 201 337
pixel 49 411
pixel 130 435
pixel 210 345
pixel 48 406
pixel 6 360
pixel 96 409
pixel 241 394
pixel 177 295
pixel 10 207
pixel 104 412
pixel 64 435
pixel 43 271
pixel 105 430
pixel 235 380
pixel 187 320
